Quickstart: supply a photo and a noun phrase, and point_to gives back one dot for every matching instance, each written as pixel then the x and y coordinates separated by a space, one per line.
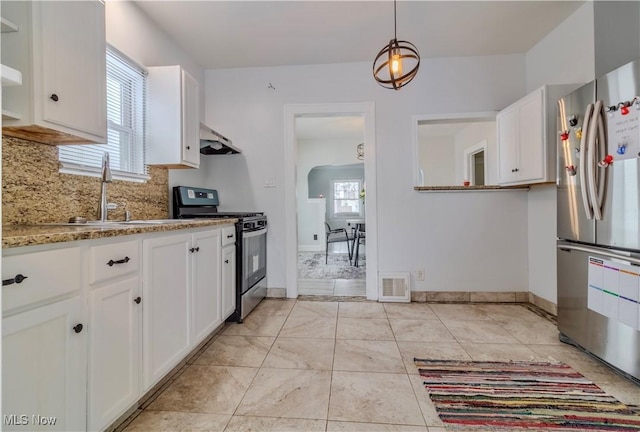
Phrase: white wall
pixel 131 31
pixel 462 240
pixel 469 137
pixel 437 160
pixel 566 55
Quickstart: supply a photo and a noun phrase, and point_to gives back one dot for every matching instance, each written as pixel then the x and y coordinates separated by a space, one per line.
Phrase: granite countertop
pixel 30 235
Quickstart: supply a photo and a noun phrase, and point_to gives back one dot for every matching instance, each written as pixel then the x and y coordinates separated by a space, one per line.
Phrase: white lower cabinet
pixel 88 330
pixel 166 292
pixel 228 287
pixel 207 313
pixel 44 363
pixel 115 311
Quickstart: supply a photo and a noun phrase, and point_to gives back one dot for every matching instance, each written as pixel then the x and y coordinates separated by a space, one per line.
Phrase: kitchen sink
pixel 153 222
pixel 115 223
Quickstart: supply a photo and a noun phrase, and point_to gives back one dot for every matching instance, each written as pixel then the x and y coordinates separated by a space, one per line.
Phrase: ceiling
pixel 232 34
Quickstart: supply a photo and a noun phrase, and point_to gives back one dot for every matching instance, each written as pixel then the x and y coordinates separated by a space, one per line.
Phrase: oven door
pixel 254 257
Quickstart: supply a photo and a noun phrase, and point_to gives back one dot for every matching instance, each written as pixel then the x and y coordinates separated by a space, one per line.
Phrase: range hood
pixel 213 143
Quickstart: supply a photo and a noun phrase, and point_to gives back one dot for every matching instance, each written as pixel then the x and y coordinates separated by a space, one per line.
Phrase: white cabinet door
pixel 207 309
pixel 190 120
pixel 174 118
pixel 228 281
pixel 60 49
pixel 44 361
pixel 507 124
pixel 166 292
pixel 73 65
pixel 531 163
pixel 115 350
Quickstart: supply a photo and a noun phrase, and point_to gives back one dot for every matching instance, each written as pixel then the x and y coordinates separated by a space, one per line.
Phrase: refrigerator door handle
pixel 596 144
pixel 569 248
pixel 582 166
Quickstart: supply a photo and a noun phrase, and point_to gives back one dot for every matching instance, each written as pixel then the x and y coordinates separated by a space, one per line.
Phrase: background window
pixel 126 125
pixel 346 197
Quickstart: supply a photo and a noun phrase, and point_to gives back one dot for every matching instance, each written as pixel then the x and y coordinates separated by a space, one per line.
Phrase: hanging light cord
pixel 395 21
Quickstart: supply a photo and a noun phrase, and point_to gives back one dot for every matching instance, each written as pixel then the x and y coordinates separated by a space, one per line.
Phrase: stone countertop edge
pixel 41 234
pixel 476 188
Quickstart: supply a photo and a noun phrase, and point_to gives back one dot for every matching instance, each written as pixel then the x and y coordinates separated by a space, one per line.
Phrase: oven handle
pixel 256 233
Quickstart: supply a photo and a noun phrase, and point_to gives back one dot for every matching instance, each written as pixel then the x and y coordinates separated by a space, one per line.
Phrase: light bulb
pixel 396 64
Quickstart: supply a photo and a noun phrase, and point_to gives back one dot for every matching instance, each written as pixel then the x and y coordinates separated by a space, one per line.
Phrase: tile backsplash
pixel 33 191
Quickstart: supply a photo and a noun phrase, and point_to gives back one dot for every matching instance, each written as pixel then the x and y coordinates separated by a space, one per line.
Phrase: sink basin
pixel 115 223
pixel 153 222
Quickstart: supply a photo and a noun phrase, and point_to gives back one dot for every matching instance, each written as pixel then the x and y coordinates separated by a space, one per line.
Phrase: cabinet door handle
pixel 198 249
pixel 78 328
pixel 230 236
pixel 195 249
pixel 17 279
pixel 54 97
pixel 188 147
pixel 226 261
pixel 137 300
pixel 516 170
pixel 121 261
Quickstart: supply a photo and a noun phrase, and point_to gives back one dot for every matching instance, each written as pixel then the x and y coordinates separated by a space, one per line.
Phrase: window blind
pixel 126 125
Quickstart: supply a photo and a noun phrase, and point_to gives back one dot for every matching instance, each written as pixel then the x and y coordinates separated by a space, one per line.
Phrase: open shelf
pixel 10 76
pixel 7 26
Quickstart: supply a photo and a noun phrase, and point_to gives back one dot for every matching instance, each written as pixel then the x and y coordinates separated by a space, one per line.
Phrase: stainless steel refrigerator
pixel 598 218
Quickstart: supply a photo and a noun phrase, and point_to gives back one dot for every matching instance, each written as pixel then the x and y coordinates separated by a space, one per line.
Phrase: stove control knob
pixel 247 225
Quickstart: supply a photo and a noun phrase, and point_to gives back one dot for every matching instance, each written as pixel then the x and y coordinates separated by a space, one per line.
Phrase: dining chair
pixel 360 238
pixel 335 236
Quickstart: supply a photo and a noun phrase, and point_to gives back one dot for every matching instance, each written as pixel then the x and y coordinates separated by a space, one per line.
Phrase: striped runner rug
pixel 512 396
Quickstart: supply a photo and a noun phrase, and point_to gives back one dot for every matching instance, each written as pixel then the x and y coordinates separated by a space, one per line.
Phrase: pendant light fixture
pixel 397 63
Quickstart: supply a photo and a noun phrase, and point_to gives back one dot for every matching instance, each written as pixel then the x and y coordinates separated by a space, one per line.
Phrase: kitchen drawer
pixel 113 260
pixel 228 235
pixel 48 274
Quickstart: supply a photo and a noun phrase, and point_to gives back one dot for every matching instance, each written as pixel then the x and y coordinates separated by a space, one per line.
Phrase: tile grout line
pixel 259 368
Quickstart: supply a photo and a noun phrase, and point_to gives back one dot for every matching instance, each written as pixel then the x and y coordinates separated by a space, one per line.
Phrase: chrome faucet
pixel 106 178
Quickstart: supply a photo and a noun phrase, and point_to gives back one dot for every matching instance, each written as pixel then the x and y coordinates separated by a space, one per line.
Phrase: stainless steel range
pixel 251 243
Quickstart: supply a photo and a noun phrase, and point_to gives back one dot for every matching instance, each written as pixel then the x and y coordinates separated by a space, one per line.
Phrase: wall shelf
pixel 7 26
pixel 10 76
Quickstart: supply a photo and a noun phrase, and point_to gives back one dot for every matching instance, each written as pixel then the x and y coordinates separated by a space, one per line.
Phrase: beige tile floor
pixel 348 366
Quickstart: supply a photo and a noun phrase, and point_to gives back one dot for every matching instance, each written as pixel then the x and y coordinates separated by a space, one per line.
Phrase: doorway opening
pixel 325 185
pixel 330 190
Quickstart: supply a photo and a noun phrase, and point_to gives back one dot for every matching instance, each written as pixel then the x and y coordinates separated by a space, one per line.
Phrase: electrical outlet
pixel 420 274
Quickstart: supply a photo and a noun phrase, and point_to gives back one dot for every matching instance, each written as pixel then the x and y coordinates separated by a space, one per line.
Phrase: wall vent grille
pixel 395 287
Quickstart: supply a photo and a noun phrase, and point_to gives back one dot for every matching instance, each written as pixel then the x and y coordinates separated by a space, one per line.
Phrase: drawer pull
pixel 137 300
pixel 226 261
pixel 18 279
pixel 230 236
pixel 122 261
pixel 78 328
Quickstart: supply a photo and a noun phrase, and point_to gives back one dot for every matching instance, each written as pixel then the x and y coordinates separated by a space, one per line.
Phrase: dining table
pixel 358 225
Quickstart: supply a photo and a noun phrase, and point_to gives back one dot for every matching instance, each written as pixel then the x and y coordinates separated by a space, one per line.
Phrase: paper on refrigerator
pixel 614 291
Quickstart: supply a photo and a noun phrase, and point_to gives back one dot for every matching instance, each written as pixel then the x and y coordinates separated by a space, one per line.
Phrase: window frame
pixel 345 215
pixel 138 94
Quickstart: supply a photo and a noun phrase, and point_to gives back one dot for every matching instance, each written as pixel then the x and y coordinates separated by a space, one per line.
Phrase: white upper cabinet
pixel 527 135
pixel 60 50
pixel 174 118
